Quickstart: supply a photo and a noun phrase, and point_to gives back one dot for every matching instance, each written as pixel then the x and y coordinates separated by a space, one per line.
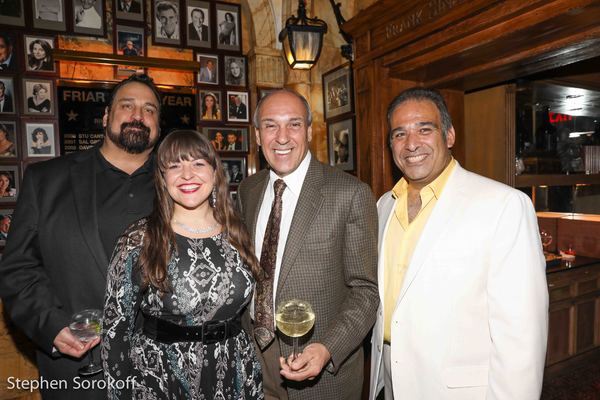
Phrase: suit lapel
pixel 255 197
pixel 307 208
pixel 83 181
pixel 439 221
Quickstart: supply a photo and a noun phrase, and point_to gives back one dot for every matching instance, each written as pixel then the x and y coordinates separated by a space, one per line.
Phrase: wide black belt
pixel 209 332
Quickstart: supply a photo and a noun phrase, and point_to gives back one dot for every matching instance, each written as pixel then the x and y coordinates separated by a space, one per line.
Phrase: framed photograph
pixel 227 138
pixel 234 196
pixel 49 14
pixel 9 183
pixel 340 140
pixel 9 143
pixel 166 22
pixel 209 69
pixel 337 91
pixel 7 95
pixel 237 106
pixel 130 40
pixel 88 17
pixel 41 140
pixel 5 220
pixel 132 10
pixel 12 12
pixel 228 27
pixel 234 168
pixel 211 107
pixel 38 54
pixel 198 23
pixel 38 96
pixel 235 71
pixel 8 52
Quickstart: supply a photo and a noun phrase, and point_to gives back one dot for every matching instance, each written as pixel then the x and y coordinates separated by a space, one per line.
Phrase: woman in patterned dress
pixel 186 266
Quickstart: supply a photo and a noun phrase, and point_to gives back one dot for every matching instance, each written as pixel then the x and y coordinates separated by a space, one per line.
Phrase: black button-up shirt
pixel 121 199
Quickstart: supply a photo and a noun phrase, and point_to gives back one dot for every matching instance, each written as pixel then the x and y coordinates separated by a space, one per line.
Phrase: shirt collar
pixel 103 164
pixel 294 180
pixel 435 187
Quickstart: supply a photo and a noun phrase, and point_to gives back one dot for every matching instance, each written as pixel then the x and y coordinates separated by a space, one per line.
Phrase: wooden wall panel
pixel 586 315
pixel 489 133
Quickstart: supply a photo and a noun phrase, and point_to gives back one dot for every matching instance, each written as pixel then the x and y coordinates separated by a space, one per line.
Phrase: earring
pixel 213 197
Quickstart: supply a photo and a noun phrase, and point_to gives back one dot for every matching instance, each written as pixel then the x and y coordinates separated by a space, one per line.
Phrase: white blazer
pixel 471 321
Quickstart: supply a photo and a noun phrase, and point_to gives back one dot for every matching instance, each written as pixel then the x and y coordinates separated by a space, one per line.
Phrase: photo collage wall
pixel 29 111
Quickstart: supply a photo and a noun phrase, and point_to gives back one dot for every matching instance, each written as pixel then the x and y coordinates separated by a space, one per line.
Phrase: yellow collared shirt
pixel 401 238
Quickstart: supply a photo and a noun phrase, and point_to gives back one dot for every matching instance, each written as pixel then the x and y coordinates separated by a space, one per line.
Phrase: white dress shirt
pixel 289 200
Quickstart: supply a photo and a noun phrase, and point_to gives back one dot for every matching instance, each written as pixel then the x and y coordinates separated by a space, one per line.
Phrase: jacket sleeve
pixel 518 304
pixel 25 287
pixel 359 257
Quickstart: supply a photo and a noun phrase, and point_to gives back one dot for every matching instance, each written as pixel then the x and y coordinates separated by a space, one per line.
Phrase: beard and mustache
pixel 134 137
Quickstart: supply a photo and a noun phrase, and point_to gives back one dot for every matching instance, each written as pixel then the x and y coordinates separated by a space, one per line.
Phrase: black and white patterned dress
pixel 209 281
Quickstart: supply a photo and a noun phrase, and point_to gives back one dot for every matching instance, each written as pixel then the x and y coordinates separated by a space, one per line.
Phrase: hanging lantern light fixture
pixel 302 39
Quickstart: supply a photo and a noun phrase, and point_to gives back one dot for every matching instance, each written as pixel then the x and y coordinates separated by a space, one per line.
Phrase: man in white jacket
pixel 464 301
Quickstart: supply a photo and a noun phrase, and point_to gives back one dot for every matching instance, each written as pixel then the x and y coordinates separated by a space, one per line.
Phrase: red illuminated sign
pixel 556 117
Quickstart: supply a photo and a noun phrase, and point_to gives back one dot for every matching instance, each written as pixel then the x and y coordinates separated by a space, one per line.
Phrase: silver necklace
pixel 197 231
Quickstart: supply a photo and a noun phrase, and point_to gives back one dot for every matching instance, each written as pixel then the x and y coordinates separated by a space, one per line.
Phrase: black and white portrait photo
pixel 198 23
pixel 235 71
pixel 7 96
pixel 39 98
pixel 38 53
pixel 8 139
pixel 237 106
pixel 9 183
pixel 166 22
pixel 49 14
pixel 12 12
pixel 8 57
pixel 337 91
pixel 209 69
pixel 130 40
pixel 88 16
pixel 132 10
pixel 40 139
pixel 341 144
pixel 228 27
pixel 234 168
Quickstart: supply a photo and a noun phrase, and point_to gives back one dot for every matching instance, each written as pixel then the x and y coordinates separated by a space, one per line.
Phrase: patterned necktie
pixel 264 327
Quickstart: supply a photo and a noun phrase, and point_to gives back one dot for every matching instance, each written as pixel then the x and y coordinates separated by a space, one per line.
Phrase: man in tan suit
pixel 324 252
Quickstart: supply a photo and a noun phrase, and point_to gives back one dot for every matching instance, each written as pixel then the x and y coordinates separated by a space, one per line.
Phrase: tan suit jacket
pixel 330 260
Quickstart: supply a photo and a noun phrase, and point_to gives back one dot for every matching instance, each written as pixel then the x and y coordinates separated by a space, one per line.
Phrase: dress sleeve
pixel 121 303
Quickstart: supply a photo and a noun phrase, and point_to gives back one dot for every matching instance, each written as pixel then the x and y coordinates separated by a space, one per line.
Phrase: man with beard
pixel 70 213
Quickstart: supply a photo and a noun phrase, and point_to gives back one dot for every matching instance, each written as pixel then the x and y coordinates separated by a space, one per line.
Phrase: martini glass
pixel 86 326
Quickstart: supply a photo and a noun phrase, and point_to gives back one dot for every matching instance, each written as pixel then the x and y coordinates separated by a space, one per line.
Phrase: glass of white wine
pixel 86 326
pixel 294 318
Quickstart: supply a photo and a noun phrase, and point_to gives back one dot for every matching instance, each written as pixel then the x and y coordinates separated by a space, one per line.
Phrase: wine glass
pixel 86 326
pixel 295 318
pixel 546 240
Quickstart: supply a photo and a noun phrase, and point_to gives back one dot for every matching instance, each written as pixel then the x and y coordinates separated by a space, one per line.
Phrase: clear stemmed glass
pixel 546 240
pixel 86 325
pixel 294 318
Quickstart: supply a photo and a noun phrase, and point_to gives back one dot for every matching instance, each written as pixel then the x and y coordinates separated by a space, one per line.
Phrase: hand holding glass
pixel 86 326
pixel 295 318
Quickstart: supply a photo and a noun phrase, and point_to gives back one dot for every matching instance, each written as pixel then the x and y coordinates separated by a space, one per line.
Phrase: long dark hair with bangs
pixel 159 243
